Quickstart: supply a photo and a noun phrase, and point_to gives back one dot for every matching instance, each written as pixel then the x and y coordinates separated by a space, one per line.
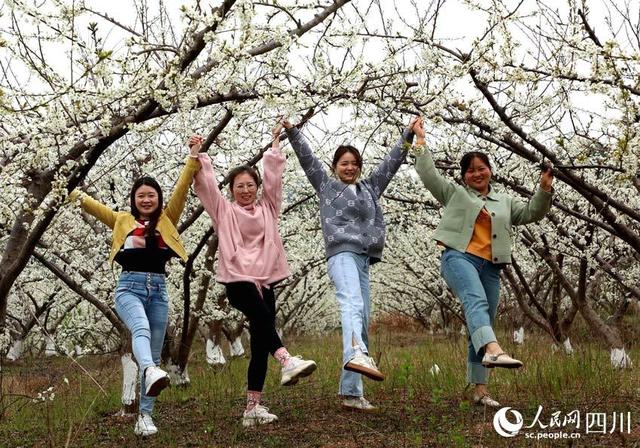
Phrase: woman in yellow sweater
pixel 143 241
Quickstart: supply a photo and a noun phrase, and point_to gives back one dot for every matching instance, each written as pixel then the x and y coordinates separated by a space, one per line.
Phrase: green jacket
pixel 463 204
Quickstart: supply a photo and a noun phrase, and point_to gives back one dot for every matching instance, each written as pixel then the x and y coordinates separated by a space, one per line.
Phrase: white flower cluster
pixel 45 395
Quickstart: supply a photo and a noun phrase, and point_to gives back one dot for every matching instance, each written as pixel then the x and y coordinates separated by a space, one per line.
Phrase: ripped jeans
pixel 349 273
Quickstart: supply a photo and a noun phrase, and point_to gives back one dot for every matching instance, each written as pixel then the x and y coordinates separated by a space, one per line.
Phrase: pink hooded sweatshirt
pixel 249 244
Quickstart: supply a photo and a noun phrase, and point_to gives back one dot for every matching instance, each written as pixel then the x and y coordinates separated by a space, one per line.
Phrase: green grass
pixel 416 408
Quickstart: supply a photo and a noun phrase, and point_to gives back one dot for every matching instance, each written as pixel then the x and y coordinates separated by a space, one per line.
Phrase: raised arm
pixel 384 172
pixel 308 161
pixel 539 204
pixel 95 208
pixel 206 187
pixel 273 162
pixel 441 188
pixel 175 204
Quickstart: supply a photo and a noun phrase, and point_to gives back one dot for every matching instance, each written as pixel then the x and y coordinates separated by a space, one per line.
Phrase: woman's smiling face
pixel 347 168
pixel 478 175
pixel 244 189
pixel 146 200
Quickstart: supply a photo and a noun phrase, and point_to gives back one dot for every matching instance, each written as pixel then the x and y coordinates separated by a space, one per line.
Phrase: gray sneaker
pixel 358 404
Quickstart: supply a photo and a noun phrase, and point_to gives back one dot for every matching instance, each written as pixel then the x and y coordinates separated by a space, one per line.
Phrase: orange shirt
pixel 480 244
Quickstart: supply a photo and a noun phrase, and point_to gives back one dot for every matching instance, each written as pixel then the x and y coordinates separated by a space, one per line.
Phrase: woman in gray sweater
pixel 353 230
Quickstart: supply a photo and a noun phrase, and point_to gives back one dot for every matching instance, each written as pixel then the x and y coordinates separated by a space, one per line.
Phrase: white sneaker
pixel 364 364
pixel 296 368
pixel 144 426
pixel 155 379
pixel 485 400
pixel 258 415
pixel 358 404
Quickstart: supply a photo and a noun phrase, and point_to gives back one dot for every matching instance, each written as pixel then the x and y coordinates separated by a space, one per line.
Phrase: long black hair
pixel 153 219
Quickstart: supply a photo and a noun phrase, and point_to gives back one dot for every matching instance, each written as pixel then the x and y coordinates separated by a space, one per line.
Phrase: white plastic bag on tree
pixel 50 346
pixel 129 379
pixel 518 336
pixel 15 352
pixel 568 349
pixel 215 357
pixel 620 359
pixel 235 348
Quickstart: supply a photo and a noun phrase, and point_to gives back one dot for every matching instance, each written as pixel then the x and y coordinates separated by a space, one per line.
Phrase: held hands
pixel 280 124
pixel 195 144
pixel 276 131
pixel 416 125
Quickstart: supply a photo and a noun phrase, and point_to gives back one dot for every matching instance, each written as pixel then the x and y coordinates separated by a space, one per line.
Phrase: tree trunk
pixel 130 383
pixel 236 349
pixel 186 340
pixel 580 299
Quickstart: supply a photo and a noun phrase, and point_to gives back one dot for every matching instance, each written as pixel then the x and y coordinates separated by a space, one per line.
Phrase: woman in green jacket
pixel 475 231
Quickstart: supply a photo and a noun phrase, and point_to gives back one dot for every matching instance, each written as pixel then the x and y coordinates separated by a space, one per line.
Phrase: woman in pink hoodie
pixel 251 260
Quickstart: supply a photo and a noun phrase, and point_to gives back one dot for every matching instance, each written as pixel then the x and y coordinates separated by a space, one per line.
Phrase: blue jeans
pixel 349 273
pixel 476 283
pixel 143 306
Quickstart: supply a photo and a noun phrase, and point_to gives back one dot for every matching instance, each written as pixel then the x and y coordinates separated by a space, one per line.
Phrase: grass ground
pixel 417 408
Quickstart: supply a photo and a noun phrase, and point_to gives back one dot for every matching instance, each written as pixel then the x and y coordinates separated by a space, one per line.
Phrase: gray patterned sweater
pixel 351 218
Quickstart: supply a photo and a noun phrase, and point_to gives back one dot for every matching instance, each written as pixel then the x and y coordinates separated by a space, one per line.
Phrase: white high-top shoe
pixel 258 415
pixel 144 426
pixel 295 369
pixel 155 379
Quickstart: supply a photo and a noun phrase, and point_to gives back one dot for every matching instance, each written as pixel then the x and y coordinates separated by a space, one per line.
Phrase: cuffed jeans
pixel 349 273
pixel 476 283
pixel 143 306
